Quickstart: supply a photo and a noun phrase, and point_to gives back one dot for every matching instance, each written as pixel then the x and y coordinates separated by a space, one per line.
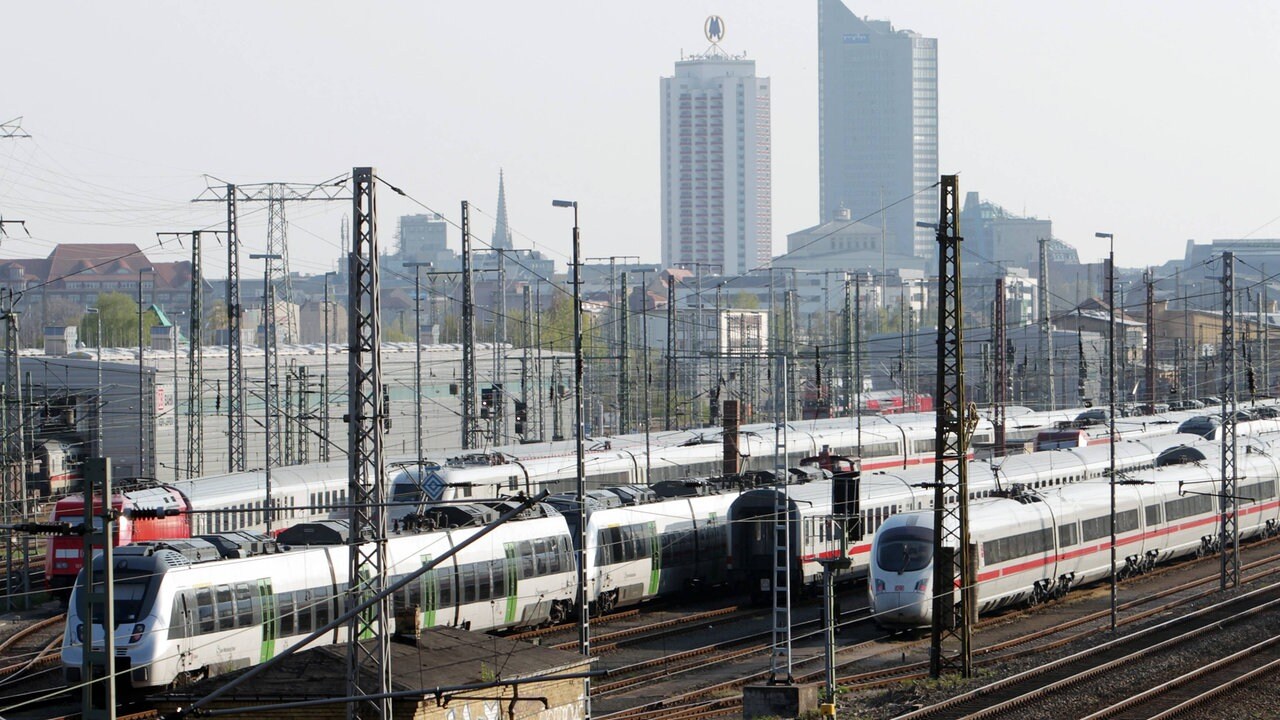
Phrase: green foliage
pixel 119 322
pixel 745 301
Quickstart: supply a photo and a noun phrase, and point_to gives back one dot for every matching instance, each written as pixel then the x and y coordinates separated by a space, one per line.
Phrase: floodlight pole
pixel 584 626
pixel 1111 399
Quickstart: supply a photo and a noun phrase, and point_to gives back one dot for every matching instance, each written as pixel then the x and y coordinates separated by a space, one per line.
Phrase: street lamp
pixel 142 433
pixel 97 314
pixel 1111 393
pixel 270 376
pixel 417 361
pixel 584 629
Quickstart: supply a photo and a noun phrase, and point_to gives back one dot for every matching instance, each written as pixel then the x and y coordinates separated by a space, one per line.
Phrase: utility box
pixel 780 701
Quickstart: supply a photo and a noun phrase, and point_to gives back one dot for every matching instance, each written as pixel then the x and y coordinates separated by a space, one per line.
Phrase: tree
pixel 746 301
pixel 119 321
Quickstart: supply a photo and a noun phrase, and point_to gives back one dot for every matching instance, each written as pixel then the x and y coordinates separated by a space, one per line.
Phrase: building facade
pixel 716 165
pixel 878 125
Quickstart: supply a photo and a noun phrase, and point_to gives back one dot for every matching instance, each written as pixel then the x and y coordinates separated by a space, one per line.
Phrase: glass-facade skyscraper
pixel 878 126
pixel 716 169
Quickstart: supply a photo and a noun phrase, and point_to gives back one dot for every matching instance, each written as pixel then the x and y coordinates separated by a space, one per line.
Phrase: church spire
pixel 501 233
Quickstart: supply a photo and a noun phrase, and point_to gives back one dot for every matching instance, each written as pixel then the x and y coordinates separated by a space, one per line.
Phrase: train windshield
pixel 905 549
pixel 130 592
pixel 403 491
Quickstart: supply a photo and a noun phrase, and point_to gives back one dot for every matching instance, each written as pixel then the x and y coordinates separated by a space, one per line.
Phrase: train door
pixel 429 592
pixel 511 571
pixel 655 558
pixel 183 625
pixel 270 619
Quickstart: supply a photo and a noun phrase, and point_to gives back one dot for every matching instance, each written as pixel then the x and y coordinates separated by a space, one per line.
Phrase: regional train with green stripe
pixel 193 608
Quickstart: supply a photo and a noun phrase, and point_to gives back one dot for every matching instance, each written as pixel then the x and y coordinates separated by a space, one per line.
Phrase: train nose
pixel 899 605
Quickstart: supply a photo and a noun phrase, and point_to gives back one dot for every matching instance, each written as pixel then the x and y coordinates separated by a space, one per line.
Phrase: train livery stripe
pixel 511 571
pixel 1202 521
pixel 655 551
pixel 270 620
pixel 429 587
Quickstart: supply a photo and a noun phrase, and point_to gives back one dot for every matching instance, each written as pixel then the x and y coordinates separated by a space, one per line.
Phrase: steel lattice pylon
pixel 951 619
pixel 235 348
pixel 368 663
pixel 15 481
pixel 195 365
pixel 1046 322
pixel 275 194
pixel 1000 396
pixel 1230 526
pixel 780 666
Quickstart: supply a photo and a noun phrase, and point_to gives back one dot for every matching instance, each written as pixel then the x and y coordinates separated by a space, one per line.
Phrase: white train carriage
pixel 899 441
pixel 651 549
pixel 888 492
pixel 183 611
pixel 1040 545
pixel 237 501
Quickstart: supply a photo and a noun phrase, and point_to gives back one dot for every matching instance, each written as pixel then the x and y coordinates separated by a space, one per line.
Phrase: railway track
pixel 1077 676
pixel 713 700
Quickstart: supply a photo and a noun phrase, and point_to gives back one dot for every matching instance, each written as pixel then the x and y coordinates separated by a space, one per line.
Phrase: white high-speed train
pixel 1038 545
pixel 187 609
pixel 815 536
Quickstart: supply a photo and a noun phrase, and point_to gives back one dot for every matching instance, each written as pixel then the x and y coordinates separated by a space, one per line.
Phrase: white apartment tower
pixel 878 126
pixel 716 177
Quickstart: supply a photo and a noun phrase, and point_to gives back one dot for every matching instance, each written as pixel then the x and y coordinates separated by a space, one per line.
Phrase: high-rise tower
pixel 716 176
pixel 878 125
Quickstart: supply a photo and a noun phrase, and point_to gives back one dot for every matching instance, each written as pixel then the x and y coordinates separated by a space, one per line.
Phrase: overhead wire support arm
pixel 13 129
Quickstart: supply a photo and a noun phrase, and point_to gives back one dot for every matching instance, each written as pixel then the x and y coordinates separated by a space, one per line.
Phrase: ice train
pixel 1037 545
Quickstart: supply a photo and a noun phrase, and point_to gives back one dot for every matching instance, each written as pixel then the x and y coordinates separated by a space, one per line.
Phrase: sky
pixel 1150 120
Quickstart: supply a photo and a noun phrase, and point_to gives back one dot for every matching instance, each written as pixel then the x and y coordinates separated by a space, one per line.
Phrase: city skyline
pixel 1099 117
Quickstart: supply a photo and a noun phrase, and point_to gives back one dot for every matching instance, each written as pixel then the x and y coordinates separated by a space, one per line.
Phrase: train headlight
pixel 80 632
pixel 137 633
pixel 879 585
pixel 922 585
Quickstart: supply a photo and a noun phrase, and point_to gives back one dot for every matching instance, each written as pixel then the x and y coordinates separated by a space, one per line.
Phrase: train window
pixel 513 482
pixel 1094 528
pixel 284 610
pixel 541 557
pixel 498 571
pixel 567 559
pixel 610 541
pixel 446 588
pixel 1126 521
pixel 1188 506
pixel 323 605
pixel 1255 492
pixel 226 608
pixel 553 557
pixel 1016 546
pixel 1153 515
pixel 302 602
pixel 1068 535
pixel 484 587
pixel 467 583
pixel 205 609
pixel 525 555
pixel 244 605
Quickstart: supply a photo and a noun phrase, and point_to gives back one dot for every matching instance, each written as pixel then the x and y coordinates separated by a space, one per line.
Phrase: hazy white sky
pixel 1152 120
